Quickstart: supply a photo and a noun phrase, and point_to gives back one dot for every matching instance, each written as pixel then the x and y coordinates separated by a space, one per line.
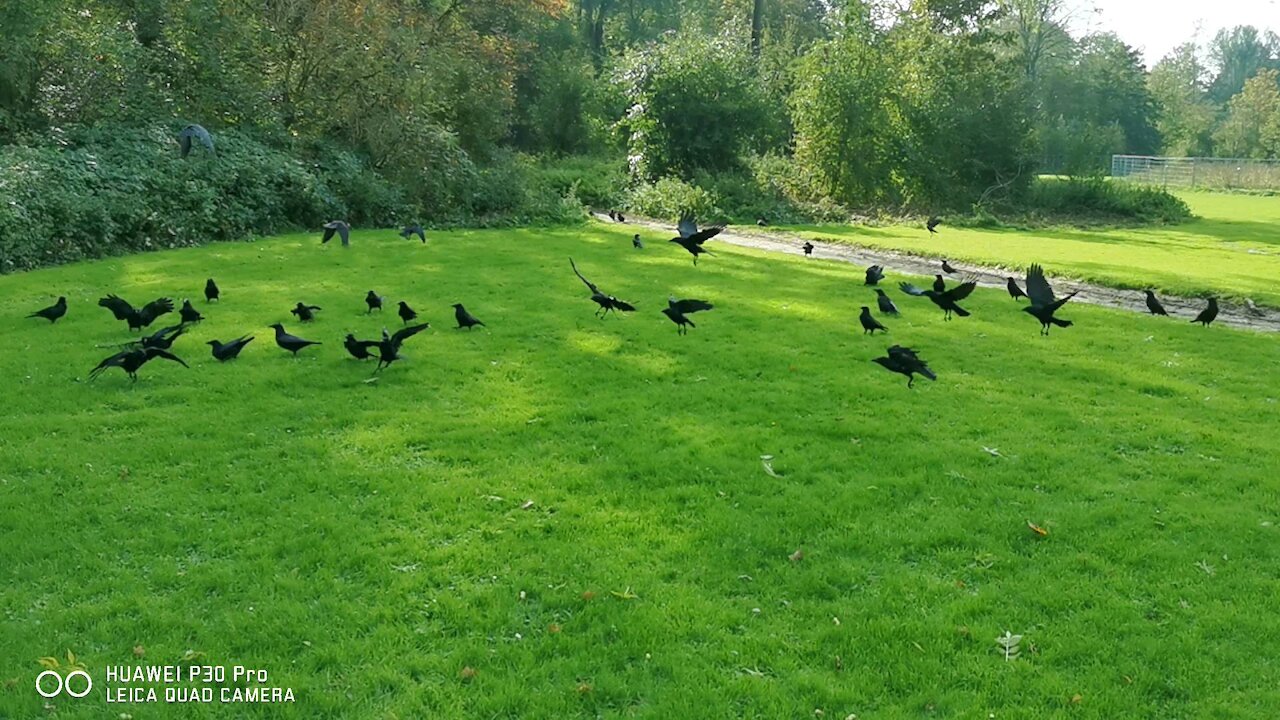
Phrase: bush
pixel 597 182
pixel 672 198
pixel 1098 199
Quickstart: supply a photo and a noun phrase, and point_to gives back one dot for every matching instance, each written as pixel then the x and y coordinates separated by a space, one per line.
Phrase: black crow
pixel 131 360
pixel 870 324
pixel 53 312
pixel 606 302
pixel 188 313
pixel 406 313
pixel 1153 305
pixel 374 301
pixel 932 224
pixel 886 305
pixel 1015 292
pixel 161 339
pixel 946 268
pixel 947 299
pixel 389 347
pixel 411 230
pixel 305 313
pixel 211 291
pixel 691 238
pixel 613 215
pixel 464 318
pixel 1043 303
pixel 223 352
pixel 1208 314
pixel 635 242
pixel 875 274
pixel 137 319
pixel 359 349
pixel 677 310
pixel 197 132
pixel 292 343
pixel 621 218
pixel 337 226
pixel 904 361
pixel 938 284
pixel 808 248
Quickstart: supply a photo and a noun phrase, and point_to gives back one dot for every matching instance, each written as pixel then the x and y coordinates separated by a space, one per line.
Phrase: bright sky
pixel 1157 26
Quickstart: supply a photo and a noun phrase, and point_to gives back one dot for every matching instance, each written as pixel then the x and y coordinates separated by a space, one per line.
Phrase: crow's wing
pixel 184 142
pixel 157 352
pixel 589 284
pixel 689 306
pixel 1038 287
pixel 705 234
pixel 910 289
pixel 961 291
pixel 328 234
pixel 686 227
pixel 622 305
pixel 155 309
pixel 113 361
pixel 118 306
pixel 406 333
pixel 199 133
pixel 900 352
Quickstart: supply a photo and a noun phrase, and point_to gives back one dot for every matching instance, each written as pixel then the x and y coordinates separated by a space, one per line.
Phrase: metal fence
pixel 1213 173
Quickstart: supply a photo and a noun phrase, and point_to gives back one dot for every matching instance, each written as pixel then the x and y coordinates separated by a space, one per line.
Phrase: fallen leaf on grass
pixel 767 461
pixel 1037 529
pixel 796 556
pixel 527 504
pixel 993 452
pixel 625 594
pixel 467 673
pixel 139 651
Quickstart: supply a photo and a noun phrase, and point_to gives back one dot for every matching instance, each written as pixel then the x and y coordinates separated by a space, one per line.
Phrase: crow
pixel 1153 305
pixel 188 313
pixel 389 347
pixel 677 310
pixel 161 339
pixel 197 132
pixel 613 215
pixel 938 284
pixel 808 248
pixel 946 299
pixel 305 313
pixel 406 313
pixel 223 352
pixel 411 230
pixel 946 268
pixel 886 305
pixel 1043 303
pixel 635 242
pixel 932 224
pixel 137 319
pixel 761 221
pixel 606 302
pixel 464 318
pixel 875 274
pixel 904 361
pixel 1015 292
pixel 337 226
pixel 621 219
pixel 359 349
pixel 691 238
pixel 374 301
pixel 870 324
pixel 292 343
pixel 53 312
pixel 131 360
pixel 211 291
pixel 1208 314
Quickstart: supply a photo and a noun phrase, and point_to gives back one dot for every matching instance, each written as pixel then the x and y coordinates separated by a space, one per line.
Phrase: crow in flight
pixel 904 361
pixel 932 225
pixel 946 268
pixel 188 313
pixel 305 313
pixel 53 312
pixel 945 299
pixel 1015 292
pixel 374 301
pixel 406 313
pixel 677 310
pixel 337 226
pixel 938 284
pixel 359 349
pixel 886 305
pixel 1153 305
pixel 131 360
pixel 606 302
pixel 808 248
pixel 411 230
pixel 211 291
pixel 292 343
pixel 635 242
pixel 875 274
pixel 137 319
pixel 1043 303
pixel 223 352
pixel 691 238
pixel 870 324
pixel 389 347
pixel 1208 314
pixel 197 132
pixel 464 318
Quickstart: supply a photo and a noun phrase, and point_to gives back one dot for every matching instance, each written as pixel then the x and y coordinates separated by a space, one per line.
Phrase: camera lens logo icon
pixel 60 684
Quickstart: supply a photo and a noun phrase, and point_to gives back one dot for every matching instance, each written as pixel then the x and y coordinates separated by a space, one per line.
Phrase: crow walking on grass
pixel 875 274
pixel 211 291
pixel 808 248
pixel 945 299
pixel 886 305
pixel 131 360
pixel 223 352
pixel 904 361
pixel 53 312
pixel 359 349
pixel 341 228
pixel 305 313
pixel 137 319
pixel 691 238
pixel 679 310
pixel 1208 314
pixel 1153 304
pixel 188 313
pixel 464 318
pixel 389 347
pixel 1015 292
pixel 870 324
pixel 1043 302
pixel 411 230
pixel 374 301
pixel 606 302
pixel 406 313
pixel 292 343
pixel 635 242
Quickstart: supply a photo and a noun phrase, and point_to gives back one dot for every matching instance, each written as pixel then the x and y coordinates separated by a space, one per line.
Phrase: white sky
pixel 1155 27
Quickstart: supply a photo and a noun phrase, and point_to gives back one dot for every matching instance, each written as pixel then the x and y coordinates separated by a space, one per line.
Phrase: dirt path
pixel 773 240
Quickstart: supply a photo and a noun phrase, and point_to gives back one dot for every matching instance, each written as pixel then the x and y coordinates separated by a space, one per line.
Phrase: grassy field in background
pixel 372 544
pixel 1232 248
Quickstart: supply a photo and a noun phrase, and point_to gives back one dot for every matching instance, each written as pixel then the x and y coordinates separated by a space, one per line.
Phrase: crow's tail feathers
pixel 960 311
pixel 925 371
pixel 1061 323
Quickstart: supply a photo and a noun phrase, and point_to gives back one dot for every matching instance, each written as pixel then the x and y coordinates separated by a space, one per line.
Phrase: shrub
pixel 672 198
pixel 1100 199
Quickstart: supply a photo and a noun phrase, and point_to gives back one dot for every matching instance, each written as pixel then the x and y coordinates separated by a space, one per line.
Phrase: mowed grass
pixel 367 543
pixel 1231 249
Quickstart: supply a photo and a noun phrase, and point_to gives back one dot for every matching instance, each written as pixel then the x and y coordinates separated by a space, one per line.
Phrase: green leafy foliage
pixel 1099 199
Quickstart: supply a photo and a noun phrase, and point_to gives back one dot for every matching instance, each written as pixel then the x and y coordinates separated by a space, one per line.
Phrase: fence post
pixel 1195 163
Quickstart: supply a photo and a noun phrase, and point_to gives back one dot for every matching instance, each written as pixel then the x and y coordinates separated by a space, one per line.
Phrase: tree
pixel 1252 127
pixel 1237 55
pixel 1186 115
pixel 1039 32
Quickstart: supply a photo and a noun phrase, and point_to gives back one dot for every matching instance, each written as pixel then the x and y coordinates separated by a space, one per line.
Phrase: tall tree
pixel 1252 126
pixel 1186 115
pixel 1238 54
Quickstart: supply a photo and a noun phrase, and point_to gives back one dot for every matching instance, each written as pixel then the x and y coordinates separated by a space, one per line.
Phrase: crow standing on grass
pixel 678 311
pixel 389 347
pixel 305 313
pixel 374 301
pixel 870 324
pixel 211 292
pixel 886 305
pixel 1043 302
pixel 131 360
pixel 53 312
pixel 340 227
pixel 464 318
pixel 944 299
pixel 137 319
pixel 808 248
pixel 223 352
pixel 292 343
pixel 691 238
pixel 359 349
pixel 1015 292
pixel 904 361
pixel 875 274
pixel 606 302
pixel 1153 305
pixel 188 313
pixel 1208 314
pixel 411 230
pixel 406 313
pixel 635 242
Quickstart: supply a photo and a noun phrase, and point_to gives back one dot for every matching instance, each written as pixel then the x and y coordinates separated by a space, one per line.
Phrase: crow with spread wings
pixel 131 360
pixel 678 311
pixel 606 302
pixel 945 299
pixel 137 319
pixel 389 347
pixel 1043 302
pixel 904 361
pixel 691 238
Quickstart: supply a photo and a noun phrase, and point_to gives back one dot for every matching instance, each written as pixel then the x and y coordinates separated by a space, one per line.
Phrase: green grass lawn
pixel 1232 248
pixel 369 544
